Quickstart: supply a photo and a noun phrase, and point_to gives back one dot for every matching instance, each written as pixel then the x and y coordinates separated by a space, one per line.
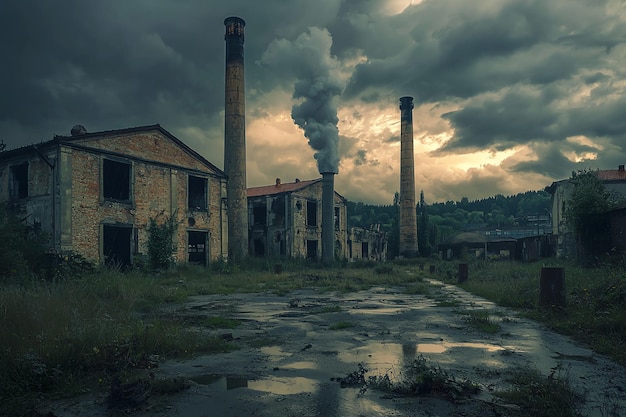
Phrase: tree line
pixel 439 221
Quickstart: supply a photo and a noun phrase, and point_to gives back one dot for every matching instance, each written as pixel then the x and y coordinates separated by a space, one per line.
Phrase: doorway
pixel 197 243
pixel 116 245
pixel 311 249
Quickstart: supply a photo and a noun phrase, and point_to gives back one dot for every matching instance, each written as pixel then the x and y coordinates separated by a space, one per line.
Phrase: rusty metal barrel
pixel 552 286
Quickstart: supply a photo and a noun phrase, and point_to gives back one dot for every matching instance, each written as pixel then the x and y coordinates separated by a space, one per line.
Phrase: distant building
pixel 561 191
pixel 478 245
pixel 94 193
pixel 367 244
pixel 285 219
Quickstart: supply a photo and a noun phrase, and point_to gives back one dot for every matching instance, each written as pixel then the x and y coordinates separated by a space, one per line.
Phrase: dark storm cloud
pixel 500 123
pixel 460 49
pixel 509 72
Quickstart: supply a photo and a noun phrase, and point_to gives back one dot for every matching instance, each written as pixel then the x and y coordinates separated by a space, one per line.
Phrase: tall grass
pixel 56 334
pixel 595 301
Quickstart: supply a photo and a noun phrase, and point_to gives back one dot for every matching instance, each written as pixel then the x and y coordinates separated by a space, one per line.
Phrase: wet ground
pixel 295 351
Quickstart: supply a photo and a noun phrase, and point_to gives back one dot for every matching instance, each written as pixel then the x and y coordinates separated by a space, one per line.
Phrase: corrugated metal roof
pixel 280 188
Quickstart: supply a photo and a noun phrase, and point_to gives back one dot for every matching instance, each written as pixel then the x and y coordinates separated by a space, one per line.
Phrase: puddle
pixel 301 365
pixel 379 355
pixel 274 385
pixel 431 348
pixel 378 310
pixel 275 352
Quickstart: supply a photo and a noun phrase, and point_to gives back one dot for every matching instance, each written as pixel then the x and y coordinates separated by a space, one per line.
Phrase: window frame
pixel 104 189
pixel 205 198
pixel 18 186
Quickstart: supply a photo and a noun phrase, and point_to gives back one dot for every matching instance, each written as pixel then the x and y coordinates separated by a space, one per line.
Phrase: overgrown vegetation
pixel 595 301
pixel 542 396
pixel 480 319
pixel 58 336
pixel 23 254
pixel 161 242
pixel 583 211
pixel 416 379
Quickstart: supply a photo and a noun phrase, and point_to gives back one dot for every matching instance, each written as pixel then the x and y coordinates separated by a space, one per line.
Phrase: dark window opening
pixel 197 248
pixel 336 218
pixel 311 213
pixel 258 247
pixel 116 242
pixel 311 249
pixel 19 181
pixel 365 251
pixel 259 216
pixel 116 180
pixel 197 193
pixel 278 209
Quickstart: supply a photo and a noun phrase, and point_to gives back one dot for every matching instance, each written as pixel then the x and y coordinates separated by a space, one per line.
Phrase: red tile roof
pixel 612 174
pixel 280 188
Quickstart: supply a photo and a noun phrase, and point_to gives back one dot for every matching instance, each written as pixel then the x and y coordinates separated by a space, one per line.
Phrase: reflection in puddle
pixel 275 351
pixel 301 365
pixel 275 385
pixel 431 348
pixel 442 347
pixel 390 354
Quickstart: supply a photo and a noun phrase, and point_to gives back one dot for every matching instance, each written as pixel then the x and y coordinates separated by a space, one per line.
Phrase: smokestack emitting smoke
pixel 317 92
pixel 408 217
pixel 235 140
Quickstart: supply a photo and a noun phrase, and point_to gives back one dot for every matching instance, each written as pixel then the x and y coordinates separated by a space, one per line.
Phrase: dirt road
pixel 296 350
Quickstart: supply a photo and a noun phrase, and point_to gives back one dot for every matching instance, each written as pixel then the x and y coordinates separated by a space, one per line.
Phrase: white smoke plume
pixel 316 92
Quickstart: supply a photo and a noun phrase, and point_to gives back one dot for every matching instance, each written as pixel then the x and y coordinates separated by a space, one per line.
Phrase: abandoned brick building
pixel 561 192
pixel 285 219
pixel 94 193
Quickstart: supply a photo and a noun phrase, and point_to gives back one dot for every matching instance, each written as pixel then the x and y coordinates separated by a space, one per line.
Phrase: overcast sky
pixel 510 95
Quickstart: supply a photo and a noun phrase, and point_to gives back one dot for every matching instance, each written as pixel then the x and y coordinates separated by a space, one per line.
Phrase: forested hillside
pixel 439 221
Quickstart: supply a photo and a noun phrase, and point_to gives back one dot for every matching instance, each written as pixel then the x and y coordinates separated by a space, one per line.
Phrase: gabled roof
pixel 70 140
pixel 279 187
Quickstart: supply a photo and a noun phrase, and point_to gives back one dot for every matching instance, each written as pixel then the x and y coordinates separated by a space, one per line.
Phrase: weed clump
pixel 415 379
pixel 541 396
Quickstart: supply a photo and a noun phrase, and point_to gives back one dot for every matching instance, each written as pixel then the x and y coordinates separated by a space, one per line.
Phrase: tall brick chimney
pixel 235 140
pixel 408 217
pixel 328 217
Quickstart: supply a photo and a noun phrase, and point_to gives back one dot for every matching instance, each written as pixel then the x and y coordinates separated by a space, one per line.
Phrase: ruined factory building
pixel 286 220
pixel 94 193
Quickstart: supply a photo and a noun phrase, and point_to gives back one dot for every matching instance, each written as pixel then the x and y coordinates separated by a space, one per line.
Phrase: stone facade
pixel 286 220
pixel 95 193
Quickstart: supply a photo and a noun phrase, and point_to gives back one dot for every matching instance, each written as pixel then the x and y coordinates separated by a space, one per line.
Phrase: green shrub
pixel 22 250
pixel 161 242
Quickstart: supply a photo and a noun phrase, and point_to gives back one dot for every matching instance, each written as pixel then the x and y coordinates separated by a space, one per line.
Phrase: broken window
pixel 19 181
pixel 336 218
pixel 259 215
pixel 197 247
pixel 311 213
pixel 116 180
pixel 197 193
